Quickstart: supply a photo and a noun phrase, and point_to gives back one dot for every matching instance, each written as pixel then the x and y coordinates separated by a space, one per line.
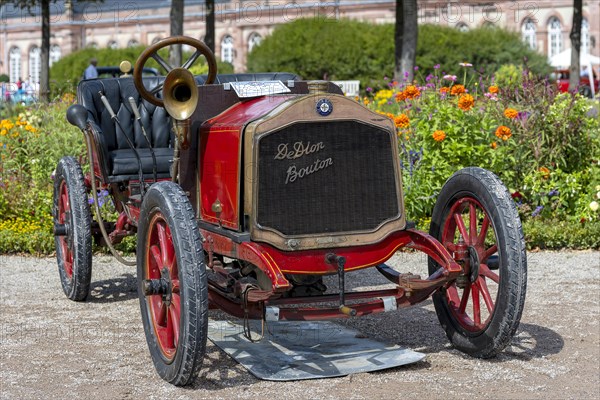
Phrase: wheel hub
pixel 474 264
pixel 162 286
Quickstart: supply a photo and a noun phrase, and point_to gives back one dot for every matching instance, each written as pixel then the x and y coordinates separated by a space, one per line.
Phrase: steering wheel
pixel 152 51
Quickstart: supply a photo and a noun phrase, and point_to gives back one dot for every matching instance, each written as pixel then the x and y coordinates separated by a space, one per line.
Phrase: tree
pixel 575 45
pixel 45 48
pixel 176 15
pixel 405 39
pixel 209 39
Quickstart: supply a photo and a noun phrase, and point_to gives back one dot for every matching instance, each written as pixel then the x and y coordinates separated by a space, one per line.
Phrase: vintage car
pixel 245 190
pixel 586 88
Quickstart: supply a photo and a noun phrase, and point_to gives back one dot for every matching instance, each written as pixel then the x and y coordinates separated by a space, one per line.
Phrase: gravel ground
pixel 51 347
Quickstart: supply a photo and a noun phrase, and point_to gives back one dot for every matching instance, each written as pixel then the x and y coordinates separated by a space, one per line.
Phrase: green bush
pixel 557 234
pixel 343 49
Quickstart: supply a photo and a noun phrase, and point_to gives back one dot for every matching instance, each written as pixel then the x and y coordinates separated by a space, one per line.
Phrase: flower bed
pixel 543 145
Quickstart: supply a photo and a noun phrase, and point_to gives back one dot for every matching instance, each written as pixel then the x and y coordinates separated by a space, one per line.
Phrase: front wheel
pixel 172 285
pixel 476 220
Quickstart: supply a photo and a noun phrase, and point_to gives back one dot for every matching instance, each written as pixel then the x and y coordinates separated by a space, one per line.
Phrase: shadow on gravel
pixel 122 288
pixel 532 341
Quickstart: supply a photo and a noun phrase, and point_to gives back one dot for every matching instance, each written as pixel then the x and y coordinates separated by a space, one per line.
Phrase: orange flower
pixel 493 89
pixel 511 113
pixel 444 89
pixel 411 92
pixel 438 136
pixel 466 102
pixel 503 132
pixel 402 121
pixel 545 172
pixel 494 145
pixel 457 89
pixel 400 96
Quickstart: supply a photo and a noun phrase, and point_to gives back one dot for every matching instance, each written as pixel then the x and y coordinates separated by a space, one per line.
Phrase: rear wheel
pixel 476 220
pixel 172 284
pixel 72 215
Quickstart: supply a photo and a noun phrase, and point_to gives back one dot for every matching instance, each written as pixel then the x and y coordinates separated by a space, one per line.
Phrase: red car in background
pixel 585 87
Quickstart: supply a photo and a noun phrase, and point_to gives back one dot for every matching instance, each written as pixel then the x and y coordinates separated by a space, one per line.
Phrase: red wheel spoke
pixel 175 286
pixel 485 293
pixel 492 250
pixel 161 318
pixel 65 201
pixel 452 295
pixel 450 246
pixel 476 306
pixel 166 245
pixel 488 273
pixel 483 232
pixel 174 316
pixel 472 224
pixel 465 299
pixel 156 256
pixel 461 226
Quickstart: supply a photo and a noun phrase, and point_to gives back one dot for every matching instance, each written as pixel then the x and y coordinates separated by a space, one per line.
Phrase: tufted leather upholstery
pixel 116 157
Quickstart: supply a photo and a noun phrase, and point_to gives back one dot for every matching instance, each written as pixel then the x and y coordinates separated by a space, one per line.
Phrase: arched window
pixel 254 41
pixel 585 36
pixel 35 64
pixel 554 37
pixel 14 65
pixel 227 49
pixel 528 33
pixel 113 44
pixel 133 43
pixel 55 54
pixel 461 26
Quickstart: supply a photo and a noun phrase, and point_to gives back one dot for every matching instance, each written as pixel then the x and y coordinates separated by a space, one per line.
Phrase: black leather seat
pixel 115 156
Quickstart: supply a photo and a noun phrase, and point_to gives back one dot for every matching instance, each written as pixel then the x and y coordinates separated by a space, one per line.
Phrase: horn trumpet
pixel 180 94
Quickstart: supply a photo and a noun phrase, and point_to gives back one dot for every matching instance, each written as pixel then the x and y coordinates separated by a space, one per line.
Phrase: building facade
pixel 240 25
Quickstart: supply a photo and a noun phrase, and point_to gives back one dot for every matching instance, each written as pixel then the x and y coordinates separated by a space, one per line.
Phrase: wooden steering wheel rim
pixel 149 51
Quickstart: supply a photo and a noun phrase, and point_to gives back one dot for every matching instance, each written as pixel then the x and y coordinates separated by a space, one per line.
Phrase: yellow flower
pixel 503 132
pixel 3 132
pixel 402 121
pixel 438 136
pixel 511 113
pixel 545 172
pixel 466 102
pixel 493 89
pixel 494 145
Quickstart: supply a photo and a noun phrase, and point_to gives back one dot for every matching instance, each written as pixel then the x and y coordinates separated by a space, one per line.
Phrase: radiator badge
pixel 324 107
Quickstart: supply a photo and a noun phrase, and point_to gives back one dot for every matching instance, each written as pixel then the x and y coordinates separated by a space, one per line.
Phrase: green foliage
pixel 30 146
pixel 509 76
pixel 557 234
pixel 342 49
pixel 321 48
pixel 548 156
pixel 488 49
pixel 4 78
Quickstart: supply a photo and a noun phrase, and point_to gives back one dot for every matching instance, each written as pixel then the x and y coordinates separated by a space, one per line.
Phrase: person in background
pixel 584 72
pixel 91 72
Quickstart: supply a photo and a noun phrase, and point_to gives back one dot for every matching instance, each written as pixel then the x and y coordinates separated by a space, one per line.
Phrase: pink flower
pixel 465 64
pixel 450 77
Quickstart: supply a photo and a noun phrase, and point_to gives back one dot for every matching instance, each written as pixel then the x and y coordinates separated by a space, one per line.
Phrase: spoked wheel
pixel 172 285
pixel 476 220
pixel 72 219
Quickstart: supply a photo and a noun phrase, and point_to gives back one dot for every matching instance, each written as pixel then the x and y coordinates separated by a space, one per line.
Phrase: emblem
pixel 324 107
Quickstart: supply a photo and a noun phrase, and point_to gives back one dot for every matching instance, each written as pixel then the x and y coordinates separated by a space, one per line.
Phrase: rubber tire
pixel 170 200
pixel 487 188
pixel 78 286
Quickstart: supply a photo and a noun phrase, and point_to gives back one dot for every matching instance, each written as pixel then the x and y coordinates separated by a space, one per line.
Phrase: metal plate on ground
pixel 306 350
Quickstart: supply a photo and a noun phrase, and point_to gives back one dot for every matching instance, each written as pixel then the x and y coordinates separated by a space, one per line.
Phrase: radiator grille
pixel 326 177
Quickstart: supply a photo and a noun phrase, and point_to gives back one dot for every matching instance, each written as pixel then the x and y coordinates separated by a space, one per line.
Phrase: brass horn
pixel 180 94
